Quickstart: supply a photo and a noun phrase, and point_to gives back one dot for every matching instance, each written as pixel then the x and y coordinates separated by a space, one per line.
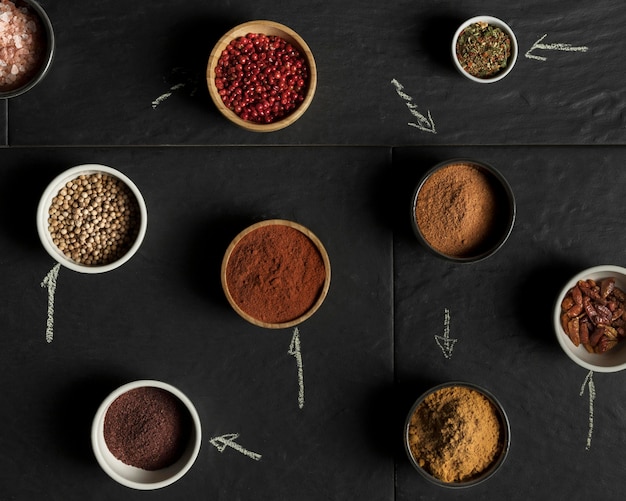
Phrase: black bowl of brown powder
pixel 457 435
pixel 463 210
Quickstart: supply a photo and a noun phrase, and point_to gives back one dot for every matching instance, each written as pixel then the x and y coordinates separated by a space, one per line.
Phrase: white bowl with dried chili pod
pixel 484 49
pixel 590 318
pixel 91 218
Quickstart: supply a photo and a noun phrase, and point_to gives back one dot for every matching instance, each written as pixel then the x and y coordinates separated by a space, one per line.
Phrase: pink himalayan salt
pixel 21 45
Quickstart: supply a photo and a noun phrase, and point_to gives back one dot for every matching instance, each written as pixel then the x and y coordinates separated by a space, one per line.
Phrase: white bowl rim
pixel 50 192
pixel 97 428
pixel 579 354
pixel 500 24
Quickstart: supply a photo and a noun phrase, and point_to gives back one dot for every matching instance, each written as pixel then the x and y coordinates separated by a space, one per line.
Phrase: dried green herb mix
pixel 483 50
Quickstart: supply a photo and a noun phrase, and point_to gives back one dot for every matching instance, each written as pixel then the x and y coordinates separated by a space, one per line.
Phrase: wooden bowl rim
pixel 265 27
pixel 318 244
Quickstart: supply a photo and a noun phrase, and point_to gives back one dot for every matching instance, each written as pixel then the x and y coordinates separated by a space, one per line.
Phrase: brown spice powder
pixel 455 434
pixel 457 210
pixel 147 427
pixel 275 274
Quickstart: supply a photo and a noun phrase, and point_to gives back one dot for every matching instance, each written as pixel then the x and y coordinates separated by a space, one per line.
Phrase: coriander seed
pixel 94 219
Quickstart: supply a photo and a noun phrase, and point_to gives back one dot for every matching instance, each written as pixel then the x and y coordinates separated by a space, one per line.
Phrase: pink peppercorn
pixel 261 78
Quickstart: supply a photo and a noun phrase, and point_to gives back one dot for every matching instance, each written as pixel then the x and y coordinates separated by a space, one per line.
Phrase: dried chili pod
pixel 597 334
pixel 573 330
pixel 606 287
pixel 605 345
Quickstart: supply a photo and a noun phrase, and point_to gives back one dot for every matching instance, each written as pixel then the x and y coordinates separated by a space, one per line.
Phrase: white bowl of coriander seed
pixel 91 218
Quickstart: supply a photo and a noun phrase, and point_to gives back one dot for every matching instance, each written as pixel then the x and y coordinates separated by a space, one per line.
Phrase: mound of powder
pixel 455 434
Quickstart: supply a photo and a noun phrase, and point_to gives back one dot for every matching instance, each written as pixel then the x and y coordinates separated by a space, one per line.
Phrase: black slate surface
pixel 555 129
pixel 164 316
pixel 113 61
pixel 501 317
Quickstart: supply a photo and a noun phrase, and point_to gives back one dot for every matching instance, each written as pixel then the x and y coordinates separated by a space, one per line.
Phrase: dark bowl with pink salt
pixel 146 434
pixel 27 46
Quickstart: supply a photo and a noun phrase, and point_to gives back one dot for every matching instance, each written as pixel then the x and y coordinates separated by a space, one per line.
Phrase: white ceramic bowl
pixel 494 21
pixel 53 189
pixel 137 478
pixel 49 51
pixel 613 360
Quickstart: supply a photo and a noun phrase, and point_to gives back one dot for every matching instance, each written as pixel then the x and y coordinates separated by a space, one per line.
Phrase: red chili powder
pixel 147 427
pixel 275 274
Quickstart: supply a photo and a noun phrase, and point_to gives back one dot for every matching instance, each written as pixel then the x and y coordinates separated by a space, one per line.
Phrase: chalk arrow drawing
pixel 552 46
pixel 423 123
pixel 228 440
pixel 295 351
pixel 588 382
pixel 445 342
pixel 184 79
pixel 50 282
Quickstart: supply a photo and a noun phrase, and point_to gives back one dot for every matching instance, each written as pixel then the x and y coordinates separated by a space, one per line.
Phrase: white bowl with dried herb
pixel 91 218
pixel 484 49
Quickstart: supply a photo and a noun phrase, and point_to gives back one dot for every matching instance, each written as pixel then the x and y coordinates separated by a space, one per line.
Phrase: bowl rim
pixel 495 22
pixel 506 438
pixel 50 192
pixel 305 51
pixel 97 431
pixel 50 52
pixel 573 352
pixel 490 170
pixel 321 249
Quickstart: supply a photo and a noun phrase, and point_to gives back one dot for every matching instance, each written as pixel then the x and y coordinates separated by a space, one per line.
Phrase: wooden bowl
pixel 269 28
pixel 293 321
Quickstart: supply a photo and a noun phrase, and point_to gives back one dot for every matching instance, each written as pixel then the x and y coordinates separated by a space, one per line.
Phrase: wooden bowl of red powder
pixel 146 434
pixel 261 76
pixel 27 46
pixel 457 435
pixel 276 274
pixel 463 210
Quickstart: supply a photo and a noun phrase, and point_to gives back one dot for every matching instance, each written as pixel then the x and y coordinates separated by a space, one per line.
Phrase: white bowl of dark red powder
pixel 27 46
pixel 463 210
pixel 457 435
pixel 91 218
pixel 146 434
pixel 276 273
pixel 261 76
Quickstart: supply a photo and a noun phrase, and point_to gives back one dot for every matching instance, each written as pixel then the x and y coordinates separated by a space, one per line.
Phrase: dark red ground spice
pixel 147 427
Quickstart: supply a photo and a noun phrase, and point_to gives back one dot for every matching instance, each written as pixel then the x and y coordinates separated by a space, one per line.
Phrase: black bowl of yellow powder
pixel 463 210
pixel 457 435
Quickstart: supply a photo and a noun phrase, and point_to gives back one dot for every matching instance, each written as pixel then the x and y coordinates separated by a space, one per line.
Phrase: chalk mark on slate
pixel 50 282
pixel 592 395
pixel 445 342
pixel 228 440
pixel 423 123
pixel 183 79
pixel 552 46
pixel 295 350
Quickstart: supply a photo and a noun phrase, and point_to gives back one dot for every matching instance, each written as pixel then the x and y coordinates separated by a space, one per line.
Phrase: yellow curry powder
pixel 455 434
